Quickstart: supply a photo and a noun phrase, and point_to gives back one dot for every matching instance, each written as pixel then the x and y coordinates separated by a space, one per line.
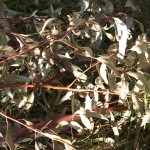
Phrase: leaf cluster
pixel 86 58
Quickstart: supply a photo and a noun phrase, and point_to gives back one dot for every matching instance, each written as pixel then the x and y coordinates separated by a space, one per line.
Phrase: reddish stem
pixel 51 124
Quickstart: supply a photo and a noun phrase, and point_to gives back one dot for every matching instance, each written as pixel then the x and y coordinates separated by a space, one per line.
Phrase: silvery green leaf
pixel 141 25
pixel 36 2
pixel 3 9
pixel 9 140
pixel 112 81
pixel 75 21
pixel 84 4
pixel 131 4
pixel 129 22
pixel 109 6
pixel 11 78
pixel 124 90
pixel 97 115
pixel 88 51
pixel 52 9
pixel 58 11
pixel 3 40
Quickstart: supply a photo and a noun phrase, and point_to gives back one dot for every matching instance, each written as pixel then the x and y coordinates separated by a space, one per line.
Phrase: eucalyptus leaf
pixel 121 36
pixel 142 78
pixel 109 63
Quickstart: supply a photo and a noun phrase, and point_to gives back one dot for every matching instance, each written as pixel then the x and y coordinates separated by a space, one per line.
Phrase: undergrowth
pixel 74 74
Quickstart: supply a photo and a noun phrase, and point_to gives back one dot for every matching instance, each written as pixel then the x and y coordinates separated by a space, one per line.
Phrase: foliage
pixel 72 72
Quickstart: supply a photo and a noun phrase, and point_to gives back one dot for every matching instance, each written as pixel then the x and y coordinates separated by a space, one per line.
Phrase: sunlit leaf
pixel 96 96
pixel 86 122
pixel 141 77
pixel 9 93
pixel 110 36
pixel 23 102
pixel 103 73
pixel 30 101
pixel 109 63
pixel 142 38
pixel 54 31
pixel 146 118
pixel 114 126
pixel 76 126
pixel 79 75
pixel 88 102
pixel 68 147
pixel 121 36
pixel 124 90
pixel 36 146
pixel 139 48
pixel 137 105
pixel 96 40
pixel 108 140
pixel 66 96
pixel 61 124
pixel 46 23
pixel 96 27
